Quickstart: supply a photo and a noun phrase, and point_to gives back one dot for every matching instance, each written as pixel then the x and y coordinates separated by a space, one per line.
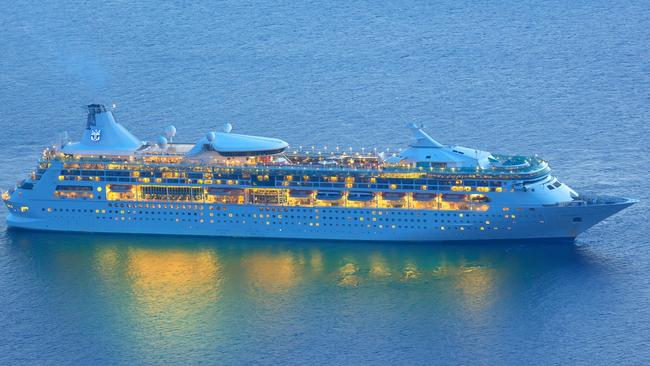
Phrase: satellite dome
pixel 170 131
pixel 211 136
pixel 162 142
pixel 227 128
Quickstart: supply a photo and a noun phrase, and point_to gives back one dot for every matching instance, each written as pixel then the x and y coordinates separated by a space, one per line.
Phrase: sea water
pixel 569 81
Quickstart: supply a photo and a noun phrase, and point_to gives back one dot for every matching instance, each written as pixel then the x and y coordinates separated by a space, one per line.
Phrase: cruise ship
pixel 229 184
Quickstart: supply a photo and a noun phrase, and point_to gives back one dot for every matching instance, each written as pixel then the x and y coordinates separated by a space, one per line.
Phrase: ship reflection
pixel 171 287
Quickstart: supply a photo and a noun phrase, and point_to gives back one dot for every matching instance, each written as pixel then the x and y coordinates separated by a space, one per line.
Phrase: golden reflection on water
pixel 106 264
pixel 175 283
pixel 316 261
pixel 378 266
pixel 275 273
pixel 348 275
pixel 163 292
pixel 476 283
pixel 410 272
pixel 179 296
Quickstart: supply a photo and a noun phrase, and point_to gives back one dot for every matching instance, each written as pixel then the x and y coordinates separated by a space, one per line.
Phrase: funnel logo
pixel 95 135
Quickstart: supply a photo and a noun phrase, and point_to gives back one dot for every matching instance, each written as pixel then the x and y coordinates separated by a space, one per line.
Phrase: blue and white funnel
pixel 103 136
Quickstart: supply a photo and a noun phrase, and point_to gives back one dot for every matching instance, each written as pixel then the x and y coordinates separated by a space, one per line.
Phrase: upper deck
pixel 310 161
pixel 107 145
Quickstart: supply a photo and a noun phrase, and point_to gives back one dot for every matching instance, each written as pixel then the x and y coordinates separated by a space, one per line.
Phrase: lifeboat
pixel 392 196
pixel 329 195
pixel 300 193
pixel 225 191
pixel 479 198
pixel 120 187
pixel 360 196
pixel 424 196
pixel 454 197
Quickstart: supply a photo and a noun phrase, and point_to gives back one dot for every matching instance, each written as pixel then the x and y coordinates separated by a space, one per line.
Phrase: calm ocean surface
pixel 569 81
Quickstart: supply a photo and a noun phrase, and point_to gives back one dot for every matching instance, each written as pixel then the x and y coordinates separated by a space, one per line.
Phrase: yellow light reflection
pixel 273 273
pixel 348 275
pixel 410 272
pixel 476 282
pixel 173 283
pixel 316 261
pixel 107 261
pixel 165 293
pixel 378 267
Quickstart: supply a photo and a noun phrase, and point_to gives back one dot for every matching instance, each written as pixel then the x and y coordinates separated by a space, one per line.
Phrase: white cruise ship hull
pixel 331 223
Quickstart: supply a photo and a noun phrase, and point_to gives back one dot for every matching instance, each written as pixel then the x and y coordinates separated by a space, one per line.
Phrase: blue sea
pixel 568 80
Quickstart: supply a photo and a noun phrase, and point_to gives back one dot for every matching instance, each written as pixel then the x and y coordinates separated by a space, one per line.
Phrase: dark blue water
pixel 567 80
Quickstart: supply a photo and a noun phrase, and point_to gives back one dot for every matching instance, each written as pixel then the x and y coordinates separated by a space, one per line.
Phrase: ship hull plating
pixel 331 223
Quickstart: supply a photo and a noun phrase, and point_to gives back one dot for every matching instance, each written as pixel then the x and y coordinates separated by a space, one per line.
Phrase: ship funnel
pixel 422 139
pixel 103 136
pixel 93 111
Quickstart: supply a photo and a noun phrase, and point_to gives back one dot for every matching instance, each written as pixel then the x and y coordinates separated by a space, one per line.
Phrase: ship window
pixel 577 219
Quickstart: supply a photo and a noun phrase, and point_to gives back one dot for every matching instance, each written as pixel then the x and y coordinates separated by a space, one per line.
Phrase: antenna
pixel 63 137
